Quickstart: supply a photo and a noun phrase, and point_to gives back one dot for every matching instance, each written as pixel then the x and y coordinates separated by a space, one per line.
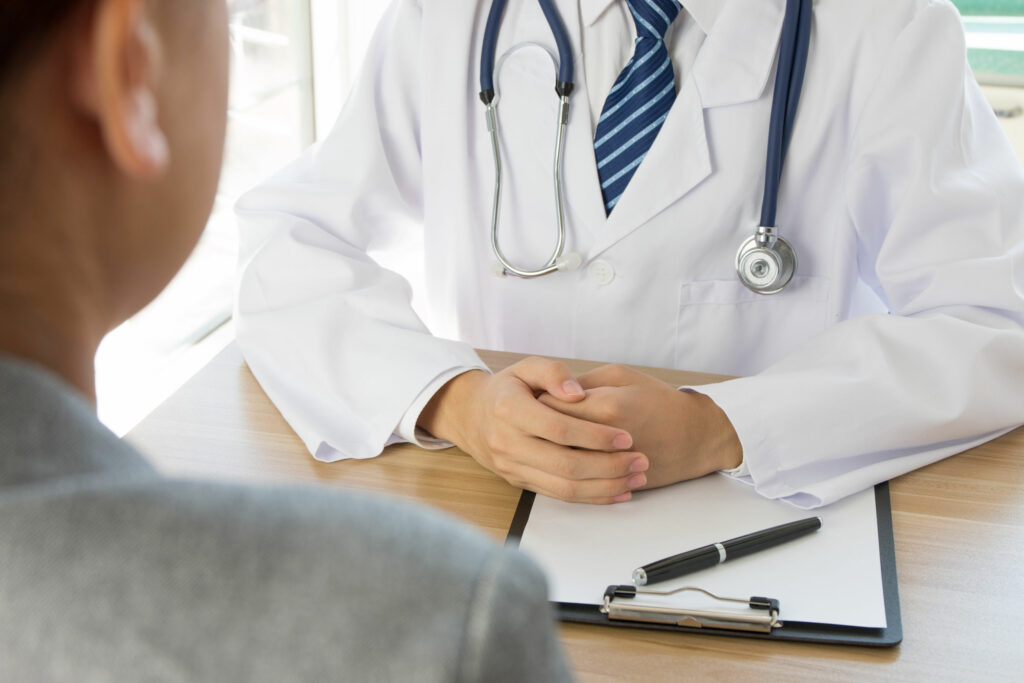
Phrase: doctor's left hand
pixel 684 435
pixel 498 420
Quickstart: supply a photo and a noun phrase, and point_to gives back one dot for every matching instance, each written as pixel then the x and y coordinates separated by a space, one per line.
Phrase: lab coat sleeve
pixel 936 203
pixel 330 335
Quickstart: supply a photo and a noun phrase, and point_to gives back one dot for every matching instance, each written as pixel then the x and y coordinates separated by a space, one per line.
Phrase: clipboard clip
pixel 762 617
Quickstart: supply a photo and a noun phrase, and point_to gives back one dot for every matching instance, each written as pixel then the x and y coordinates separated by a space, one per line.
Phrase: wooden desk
pixel 959 528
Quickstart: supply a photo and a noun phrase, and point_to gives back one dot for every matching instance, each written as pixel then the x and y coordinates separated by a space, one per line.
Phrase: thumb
pixel 554 377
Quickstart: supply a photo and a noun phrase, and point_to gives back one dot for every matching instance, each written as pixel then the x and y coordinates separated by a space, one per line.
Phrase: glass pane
pixel 271 113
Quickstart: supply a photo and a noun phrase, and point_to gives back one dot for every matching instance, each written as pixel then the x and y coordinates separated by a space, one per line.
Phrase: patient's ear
pixel 116 74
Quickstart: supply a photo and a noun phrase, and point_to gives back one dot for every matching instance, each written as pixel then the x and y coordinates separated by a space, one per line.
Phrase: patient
pixel 112 117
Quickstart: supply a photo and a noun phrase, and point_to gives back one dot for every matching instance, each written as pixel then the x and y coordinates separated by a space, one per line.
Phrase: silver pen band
pixel 721 552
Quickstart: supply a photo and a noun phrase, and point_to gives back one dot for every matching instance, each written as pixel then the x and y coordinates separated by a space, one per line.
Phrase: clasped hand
pixel 592 439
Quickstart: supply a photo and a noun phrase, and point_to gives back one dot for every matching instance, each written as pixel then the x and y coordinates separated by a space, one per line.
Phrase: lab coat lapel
pixel 738 56
pixel 676 163
pixel 733 67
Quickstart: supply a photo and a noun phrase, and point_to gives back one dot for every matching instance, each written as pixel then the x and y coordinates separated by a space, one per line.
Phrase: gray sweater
pixel 109 571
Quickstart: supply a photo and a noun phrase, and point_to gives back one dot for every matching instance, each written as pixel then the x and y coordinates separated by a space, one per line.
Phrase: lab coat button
pixel 600 272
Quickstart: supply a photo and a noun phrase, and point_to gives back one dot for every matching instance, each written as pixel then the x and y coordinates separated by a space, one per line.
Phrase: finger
pixel 608 376
pixel 552 376
pixel 597 409
pixel 573 463
pixel 534 418
pixel 594 491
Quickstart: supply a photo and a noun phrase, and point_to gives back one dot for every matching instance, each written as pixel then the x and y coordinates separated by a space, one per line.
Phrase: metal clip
pixel 759 622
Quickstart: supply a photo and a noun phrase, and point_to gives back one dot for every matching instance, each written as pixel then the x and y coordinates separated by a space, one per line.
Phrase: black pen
pixel 716 553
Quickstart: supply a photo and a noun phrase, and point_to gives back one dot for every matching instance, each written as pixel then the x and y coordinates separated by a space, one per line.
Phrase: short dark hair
pixel 24 27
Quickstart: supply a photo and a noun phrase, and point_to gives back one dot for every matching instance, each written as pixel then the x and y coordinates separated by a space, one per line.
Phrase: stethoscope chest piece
pixel 765 262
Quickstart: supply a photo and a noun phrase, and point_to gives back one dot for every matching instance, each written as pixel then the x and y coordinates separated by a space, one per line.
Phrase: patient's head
pixel 112 116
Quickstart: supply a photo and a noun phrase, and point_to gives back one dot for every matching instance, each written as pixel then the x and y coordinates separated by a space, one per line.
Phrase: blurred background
pixel 293 63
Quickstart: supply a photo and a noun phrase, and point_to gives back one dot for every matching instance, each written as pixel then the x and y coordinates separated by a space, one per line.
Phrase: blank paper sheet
pixel 832 576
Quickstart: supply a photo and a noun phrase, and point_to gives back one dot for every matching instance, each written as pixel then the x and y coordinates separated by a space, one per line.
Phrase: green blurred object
pixel 990 8
pixel 997 67
pixel 995 39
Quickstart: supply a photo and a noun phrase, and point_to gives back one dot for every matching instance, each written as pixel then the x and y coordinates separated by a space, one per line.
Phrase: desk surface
pixel 959 527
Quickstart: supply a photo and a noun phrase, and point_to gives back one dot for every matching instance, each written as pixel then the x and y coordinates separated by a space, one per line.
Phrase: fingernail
pixel 572 387
pixel 622 441
pixel 622 497
pixel 636 481
pixel 639 465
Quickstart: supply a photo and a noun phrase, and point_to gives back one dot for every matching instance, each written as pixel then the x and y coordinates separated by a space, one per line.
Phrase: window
pixel 995 39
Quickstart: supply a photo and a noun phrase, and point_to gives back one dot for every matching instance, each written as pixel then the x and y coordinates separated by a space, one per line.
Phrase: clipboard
pixel 786 630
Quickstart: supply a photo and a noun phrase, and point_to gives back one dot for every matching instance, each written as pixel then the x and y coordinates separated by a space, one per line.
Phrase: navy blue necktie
pixel 639 101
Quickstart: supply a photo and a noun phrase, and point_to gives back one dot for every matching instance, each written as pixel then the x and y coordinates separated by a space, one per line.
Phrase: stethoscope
pixel 765 261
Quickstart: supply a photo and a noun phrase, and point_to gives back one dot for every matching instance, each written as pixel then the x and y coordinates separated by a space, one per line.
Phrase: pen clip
pixel 762 617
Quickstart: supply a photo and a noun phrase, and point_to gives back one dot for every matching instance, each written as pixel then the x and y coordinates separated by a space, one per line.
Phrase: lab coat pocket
pixel 724 327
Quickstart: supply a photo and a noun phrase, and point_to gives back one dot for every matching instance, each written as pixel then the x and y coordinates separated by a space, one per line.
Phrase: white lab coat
pixel 898 342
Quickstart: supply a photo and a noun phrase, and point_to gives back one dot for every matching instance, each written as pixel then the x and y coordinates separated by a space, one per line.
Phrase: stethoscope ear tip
pixel 498 270
pixel 570 261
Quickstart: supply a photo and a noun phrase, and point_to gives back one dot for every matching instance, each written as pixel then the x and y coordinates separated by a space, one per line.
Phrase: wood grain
pixel 959 528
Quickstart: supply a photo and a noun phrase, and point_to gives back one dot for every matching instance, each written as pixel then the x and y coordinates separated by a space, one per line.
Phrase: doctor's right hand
pixel 498 420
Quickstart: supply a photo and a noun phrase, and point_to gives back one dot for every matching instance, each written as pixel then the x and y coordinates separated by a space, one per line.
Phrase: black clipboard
pixel 889 636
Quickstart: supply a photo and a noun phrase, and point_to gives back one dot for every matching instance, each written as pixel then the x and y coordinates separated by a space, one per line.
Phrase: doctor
pixel 898 340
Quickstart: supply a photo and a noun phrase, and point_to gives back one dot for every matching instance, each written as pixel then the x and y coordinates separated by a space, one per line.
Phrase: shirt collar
pixel 704 12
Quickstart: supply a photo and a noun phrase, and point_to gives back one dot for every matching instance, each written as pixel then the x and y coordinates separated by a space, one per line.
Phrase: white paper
pixel 832 576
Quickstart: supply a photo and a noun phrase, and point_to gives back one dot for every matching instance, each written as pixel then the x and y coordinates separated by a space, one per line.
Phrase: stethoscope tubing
pixel 490 45
pixel 557 260
pixel 554 262
pixel 566 62
pixel 765 247
pixel 796 32
pixel 488 94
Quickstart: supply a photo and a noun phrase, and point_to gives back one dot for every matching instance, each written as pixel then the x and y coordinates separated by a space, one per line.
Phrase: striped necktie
pixel 639 101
